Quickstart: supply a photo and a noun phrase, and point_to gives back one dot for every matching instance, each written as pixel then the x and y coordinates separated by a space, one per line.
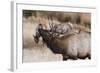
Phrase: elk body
pixel 71 46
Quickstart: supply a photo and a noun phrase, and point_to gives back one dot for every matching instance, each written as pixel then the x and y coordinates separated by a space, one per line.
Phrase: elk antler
pixel 49 22
pixel 52 22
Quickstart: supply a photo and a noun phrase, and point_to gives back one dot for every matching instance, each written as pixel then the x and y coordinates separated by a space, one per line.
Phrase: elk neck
pixel 46 36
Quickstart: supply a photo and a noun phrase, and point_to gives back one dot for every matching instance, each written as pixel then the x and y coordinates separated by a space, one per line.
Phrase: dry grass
pixel 38 54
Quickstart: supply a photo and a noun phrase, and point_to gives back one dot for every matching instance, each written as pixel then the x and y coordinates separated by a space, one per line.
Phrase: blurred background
pixel 33 52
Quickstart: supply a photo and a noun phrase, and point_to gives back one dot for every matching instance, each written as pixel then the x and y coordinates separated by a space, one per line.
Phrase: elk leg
pixel 74 58
pixel 65 57
pixel 89 56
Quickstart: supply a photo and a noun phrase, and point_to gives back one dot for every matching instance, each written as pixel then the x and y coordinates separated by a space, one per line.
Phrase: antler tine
pixel 52 22
pixel 49 22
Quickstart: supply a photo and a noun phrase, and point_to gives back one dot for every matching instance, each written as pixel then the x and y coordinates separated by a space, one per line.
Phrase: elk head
pixel 37 36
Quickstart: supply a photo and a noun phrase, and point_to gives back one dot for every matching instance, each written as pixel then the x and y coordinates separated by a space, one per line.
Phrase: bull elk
pixel 71 46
